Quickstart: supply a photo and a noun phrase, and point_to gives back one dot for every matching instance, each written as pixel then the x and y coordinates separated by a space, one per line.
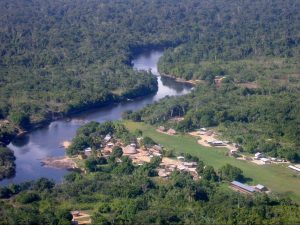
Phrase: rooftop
pixel 243 186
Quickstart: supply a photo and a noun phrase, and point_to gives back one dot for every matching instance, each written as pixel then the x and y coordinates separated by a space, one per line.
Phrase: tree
pixel 230 173
pixel 91 164
pixel 155 162
pixel 200 167
pixel 43 184
pixel 117 152
pixel 28 197
pixel 20 119
pixel 209 174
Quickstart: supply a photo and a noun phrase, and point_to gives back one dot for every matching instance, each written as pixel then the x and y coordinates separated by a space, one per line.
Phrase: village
pixel 140 154
pixel 209 138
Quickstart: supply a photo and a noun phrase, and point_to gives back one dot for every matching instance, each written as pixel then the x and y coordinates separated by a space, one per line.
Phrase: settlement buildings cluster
pixel 141 154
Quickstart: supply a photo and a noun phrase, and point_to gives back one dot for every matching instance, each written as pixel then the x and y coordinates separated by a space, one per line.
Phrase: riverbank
pixel 180 80
pixel 55 116
pixel 47 138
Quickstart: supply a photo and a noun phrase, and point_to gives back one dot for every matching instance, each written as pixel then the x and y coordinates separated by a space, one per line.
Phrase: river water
pixel 46 141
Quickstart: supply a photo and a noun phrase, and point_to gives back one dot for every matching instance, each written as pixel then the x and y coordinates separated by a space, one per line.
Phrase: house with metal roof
pixel 243 188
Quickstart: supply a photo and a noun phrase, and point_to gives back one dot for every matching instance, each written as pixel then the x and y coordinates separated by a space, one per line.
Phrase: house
pixel 181 167
pixel 129 150
pixel 180 158
pixel 157 148
pixel 133 145
pixel 163 173
pixel 209 133
pixel 260 188
pixel 216 143
pixel 233 151
pixel 161 128
pixel 88 151
pixel 110 145
pixel 107 138
pixel 294 168
pixel 243 188
pixel 157 154
pixel 190 164
pixel 258 155
pixel 265 160
pixel 75 213
pixel 171 131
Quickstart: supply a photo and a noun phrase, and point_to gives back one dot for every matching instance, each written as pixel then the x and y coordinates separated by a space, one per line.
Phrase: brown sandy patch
pixel 63 162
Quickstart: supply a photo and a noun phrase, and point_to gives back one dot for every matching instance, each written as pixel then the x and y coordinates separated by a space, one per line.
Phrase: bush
pixel 28 197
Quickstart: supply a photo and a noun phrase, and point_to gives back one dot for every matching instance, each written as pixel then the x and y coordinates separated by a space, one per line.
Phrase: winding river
pixel 45 142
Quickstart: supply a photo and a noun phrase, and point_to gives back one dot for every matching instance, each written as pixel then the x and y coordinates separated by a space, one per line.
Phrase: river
pixel 45 142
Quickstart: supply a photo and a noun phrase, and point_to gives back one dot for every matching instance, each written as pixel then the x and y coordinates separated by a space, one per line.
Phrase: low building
pixel 110 145
pixel 171 131
pixel 161 128
pixel 233 151
pixel 216 143
pixel 243 188
pixel 157 148
pixel 260 188
pixel 157 154
pixel 88 151
pixel 133 145
pixel 181 168
pixel 163 173
pixel 294 168
pixel 129 150
pixel 190 164
pixel 107 138
pixel 258 155
pixel 265 160
pixel 180 158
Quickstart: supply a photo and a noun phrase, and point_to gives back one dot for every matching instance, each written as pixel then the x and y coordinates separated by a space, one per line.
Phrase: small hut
pixel 129 150
pixel 171 131
pixel 161 128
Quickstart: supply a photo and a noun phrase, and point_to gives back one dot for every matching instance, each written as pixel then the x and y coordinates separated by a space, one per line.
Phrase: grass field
pixel 278 178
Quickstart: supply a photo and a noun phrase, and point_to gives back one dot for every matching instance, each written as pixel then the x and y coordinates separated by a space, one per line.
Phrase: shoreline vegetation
pixel 7 163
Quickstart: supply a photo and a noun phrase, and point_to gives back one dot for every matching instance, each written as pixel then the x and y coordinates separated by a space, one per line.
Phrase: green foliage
pixel 230 173
pixel 91 164
pixel 136 198
pixel 93 133
pixel 209 174
pixel 117 152
pixel 264 119
pixel 7 163
pixel 28 197
pixel 147 142
pixel 155 162
pixel 20 119
pixel 43 184
pixel 125 167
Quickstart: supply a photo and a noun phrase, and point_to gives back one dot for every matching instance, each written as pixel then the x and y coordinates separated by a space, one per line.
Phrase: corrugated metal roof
pixel 259 186
pixel 243 186
pixel 294 168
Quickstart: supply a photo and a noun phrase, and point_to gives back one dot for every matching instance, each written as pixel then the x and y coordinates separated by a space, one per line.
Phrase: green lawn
pixel 278 178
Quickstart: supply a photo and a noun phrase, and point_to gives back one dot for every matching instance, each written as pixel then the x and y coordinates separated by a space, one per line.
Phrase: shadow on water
pixel 44 142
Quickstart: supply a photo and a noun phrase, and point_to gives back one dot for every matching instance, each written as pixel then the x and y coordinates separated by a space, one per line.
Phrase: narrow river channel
pixel 44 142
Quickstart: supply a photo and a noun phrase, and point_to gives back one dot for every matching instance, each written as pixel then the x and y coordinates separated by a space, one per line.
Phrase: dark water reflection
pixel 44 142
